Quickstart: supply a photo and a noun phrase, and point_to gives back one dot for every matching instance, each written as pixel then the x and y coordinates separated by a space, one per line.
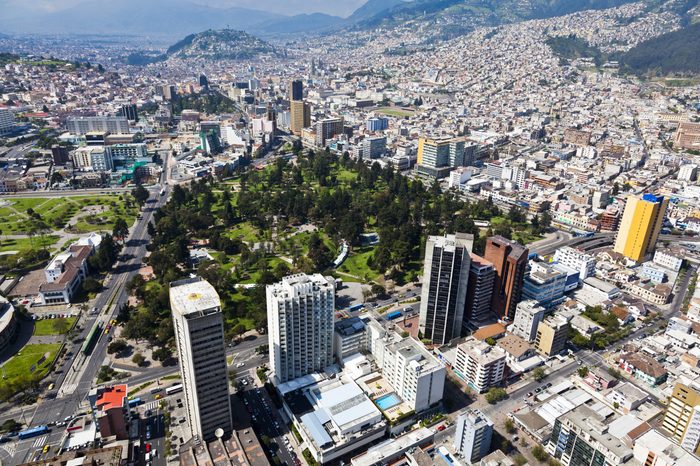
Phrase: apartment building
pixel 473 432
pixel 640 226
pixel 108 124
pixel 480 365
pixel 682 418
pixel 577 260
pixel 552 335
pixel 482 275
pixel 528 316
pixel 300 313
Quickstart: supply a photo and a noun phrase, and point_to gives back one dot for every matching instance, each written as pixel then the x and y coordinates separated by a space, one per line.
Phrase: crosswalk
pixel 40 441
pixel 10 448
pixel 151 405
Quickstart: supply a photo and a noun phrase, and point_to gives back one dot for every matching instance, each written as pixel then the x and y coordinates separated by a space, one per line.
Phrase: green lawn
pixel 25 244
pixel 394 111
pixel 46 326
pixel 22 362
pixel 245 232
pixel 56 212
pixel 356 264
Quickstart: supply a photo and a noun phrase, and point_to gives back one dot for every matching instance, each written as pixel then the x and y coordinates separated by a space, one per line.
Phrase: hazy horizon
pixel 285 7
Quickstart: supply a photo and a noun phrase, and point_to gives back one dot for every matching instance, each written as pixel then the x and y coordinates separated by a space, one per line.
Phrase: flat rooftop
pixel 193 295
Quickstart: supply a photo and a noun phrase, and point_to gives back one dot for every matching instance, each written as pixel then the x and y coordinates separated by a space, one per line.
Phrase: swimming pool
pixel 388 401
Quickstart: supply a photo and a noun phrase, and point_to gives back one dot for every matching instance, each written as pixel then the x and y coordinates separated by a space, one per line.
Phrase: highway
pixel 71 390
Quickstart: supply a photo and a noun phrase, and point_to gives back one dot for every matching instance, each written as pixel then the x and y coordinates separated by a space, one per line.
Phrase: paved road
pixel 72 389
pixel 68 192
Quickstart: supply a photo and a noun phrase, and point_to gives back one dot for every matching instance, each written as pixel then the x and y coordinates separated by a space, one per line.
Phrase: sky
pixel 287 7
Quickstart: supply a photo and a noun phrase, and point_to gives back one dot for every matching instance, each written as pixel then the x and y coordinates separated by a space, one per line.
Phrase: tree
pixel 90 285
pixel 490 341
pixel 582 371
pixel 510 426
pixel 139 359
pixel 519 459
pixel 496 394
pixel 538 374
pixel 121 229
pixel 378 290
pixel 117 346
pixel 539 453
pixel 60 326
pixel 10 426
pixel 162 354
pixel 140 194
pixel 239 330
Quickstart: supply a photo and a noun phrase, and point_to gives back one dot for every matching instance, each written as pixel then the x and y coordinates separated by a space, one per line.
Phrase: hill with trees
pixel 676 52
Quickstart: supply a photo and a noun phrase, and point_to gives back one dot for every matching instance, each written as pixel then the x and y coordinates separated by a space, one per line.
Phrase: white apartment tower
pixel 528 315
pixel 300 311
pixel 199 335
pixel 473 435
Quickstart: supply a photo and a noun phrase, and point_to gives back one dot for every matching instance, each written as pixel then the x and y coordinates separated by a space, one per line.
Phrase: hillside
pixel 672 53
pixel 223 44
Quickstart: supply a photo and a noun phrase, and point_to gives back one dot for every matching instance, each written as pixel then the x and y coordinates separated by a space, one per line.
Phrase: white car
pixel 240 364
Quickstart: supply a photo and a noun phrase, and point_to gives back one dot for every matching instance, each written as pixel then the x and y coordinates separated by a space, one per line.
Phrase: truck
pixel 393 315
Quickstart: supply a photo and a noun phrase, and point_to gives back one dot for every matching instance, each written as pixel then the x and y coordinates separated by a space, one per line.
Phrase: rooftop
pixel 193 295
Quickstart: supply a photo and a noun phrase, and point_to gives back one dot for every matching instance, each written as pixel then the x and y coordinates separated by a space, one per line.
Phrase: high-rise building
pixel 130 111
pixel 59 154
pixel 510 261
pixel 473 435
pixel 296 90
pixel 528 316
pixel 7 121
pixel 300 312
pixel 479 290
pixel 199 336
pixel 640 226
pixel 373 147
pixel 445 152
pixel 479 364
pixel 166 91
pixel 107 124
pixel 682 419
pixel 92 158
pixel 327 129
pixel 203 81
pixel 377 124
pixel 300 116
pixel 552 335
pixel 445 279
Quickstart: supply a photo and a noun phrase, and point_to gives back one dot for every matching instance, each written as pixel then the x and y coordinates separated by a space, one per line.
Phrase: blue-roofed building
pixel 350 337
pixel 377 124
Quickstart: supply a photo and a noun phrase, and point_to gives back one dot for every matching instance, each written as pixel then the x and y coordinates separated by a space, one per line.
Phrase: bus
pixel 356 307
pixel 156 390
pixel 134 402
pixel 174 389
pixel 393 315
pixel 33 432
pixel 91 339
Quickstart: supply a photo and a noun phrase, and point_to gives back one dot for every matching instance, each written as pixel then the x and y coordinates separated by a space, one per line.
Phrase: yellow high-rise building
pixel 640 226
pixel 300 116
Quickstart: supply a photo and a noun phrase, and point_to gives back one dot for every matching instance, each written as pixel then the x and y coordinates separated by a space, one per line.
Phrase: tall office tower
pixel 130 111
pixel 640 226
pixel 528 316
pixel 300 311
pixel 473 435
pixel 445 279
pixel 7 121
pixel 300 116
pixel 552 334
pixel 203 81
pixel 326 129
pixel 296 90
pixel 107 124
pixel 682 419
pixel 510 261
pixel 199 335
pixel 479 290
pixel 437 156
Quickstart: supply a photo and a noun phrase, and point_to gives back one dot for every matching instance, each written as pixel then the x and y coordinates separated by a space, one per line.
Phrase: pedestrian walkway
pixel 151 405
pixel 39 442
